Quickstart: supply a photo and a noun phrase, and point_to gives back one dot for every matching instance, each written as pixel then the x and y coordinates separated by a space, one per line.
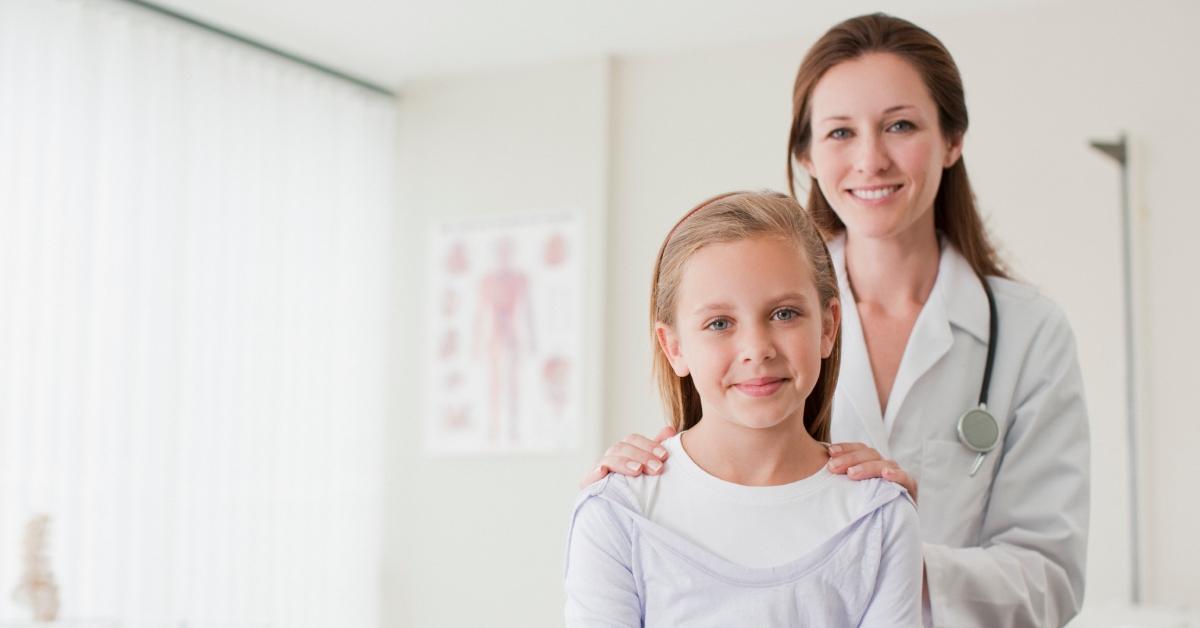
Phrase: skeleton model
pixel 37 589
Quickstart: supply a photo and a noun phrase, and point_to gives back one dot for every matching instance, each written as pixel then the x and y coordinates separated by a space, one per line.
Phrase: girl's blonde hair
pixel 729 218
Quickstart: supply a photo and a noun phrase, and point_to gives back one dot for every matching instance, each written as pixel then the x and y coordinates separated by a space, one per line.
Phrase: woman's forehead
pixel 876 84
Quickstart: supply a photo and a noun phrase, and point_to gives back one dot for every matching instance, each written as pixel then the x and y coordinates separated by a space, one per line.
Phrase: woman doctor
pixel 878 123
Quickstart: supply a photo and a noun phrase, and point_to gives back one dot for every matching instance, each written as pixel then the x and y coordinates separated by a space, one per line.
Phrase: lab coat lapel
pixel 957 300
pixel 931 338
pixel 856 382
pixel 966 302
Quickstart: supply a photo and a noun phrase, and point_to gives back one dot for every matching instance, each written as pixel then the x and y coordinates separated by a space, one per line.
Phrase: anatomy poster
pixel 506 335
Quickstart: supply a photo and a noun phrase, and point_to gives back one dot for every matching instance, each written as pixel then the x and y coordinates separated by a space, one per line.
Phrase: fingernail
pixel 654 465
pixel 660 452
pixel 632 466
pixel 853 469
pixel 831 465
pixel 835 449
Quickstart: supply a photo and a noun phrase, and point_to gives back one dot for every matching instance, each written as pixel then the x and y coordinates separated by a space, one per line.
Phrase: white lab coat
pixel 1006 547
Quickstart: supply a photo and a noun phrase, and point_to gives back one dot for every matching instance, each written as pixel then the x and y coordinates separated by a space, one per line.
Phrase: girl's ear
pixel 830 321
pixel 953 151
pixel 668 341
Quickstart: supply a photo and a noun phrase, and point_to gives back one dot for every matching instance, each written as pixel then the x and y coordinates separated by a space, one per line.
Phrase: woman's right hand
pixel 634 455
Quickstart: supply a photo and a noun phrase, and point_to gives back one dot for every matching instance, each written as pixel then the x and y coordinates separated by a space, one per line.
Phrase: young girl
pixel 750 528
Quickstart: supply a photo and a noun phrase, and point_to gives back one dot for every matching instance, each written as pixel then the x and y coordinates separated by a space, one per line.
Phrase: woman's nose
pixel 872 155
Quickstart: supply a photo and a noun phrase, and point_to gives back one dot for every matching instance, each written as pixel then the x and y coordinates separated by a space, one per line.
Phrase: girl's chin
pixel 762 422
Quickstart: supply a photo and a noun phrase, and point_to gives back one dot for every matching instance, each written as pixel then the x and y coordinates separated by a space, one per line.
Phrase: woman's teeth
pixel 876 193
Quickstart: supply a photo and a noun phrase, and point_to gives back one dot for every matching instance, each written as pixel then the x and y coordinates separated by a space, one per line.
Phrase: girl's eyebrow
pixel 718 307
pixel 712 307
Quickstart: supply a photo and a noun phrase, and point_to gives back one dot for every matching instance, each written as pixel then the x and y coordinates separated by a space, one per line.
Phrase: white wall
pixel 478 541
pixel 682 126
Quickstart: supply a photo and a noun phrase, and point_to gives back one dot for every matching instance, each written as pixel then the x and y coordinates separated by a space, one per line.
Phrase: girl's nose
pixel 757 346
pixel 872 156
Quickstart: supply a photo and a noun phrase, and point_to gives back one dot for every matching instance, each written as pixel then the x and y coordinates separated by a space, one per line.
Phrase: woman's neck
pixel 893 271
pixel 770 456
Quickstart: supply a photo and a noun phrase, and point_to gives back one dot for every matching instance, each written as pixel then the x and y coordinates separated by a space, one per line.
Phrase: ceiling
pixel 389 42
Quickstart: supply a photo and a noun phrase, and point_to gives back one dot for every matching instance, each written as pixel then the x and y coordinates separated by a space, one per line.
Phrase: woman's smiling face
pixel 877 150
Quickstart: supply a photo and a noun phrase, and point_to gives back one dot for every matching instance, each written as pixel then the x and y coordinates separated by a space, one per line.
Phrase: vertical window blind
pixel 195 282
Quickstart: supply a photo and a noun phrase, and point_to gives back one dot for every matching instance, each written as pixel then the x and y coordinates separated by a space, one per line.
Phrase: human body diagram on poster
pixel 505 358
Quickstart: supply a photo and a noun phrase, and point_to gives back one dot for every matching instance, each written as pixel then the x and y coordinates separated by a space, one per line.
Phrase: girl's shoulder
pixel 632 493
pixel 866 498
pixel 615 494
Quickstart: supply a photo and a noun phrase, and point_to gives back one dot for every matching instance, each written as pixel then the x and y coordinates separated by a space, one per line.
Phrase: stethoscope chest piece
pixel 979 432
pixel 977 428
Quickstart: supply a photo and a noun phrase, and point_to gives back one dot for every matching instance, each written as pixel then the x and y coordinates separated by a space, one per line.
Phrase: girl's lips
pixel 761 387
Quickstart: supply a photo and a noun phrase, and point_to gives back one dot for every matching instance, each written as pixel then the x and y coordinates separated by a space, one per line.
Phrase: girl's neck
pixel 771 456
pixel 893 271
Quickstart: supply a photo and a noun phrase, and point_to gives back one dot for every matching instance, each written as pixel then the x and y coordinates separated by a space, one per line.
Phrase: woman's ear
pixel 668 341
pixel 807 164
pixel 953 150
pixel 830 322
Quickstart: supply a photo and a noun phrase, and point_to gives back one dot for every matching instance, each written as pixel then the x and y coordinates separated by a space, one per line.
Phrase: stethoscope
pixel 977 428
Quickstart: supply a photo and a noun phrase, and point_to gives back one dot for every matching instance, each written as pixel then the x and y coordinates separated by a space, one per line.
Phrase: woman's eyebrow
pixel 889 110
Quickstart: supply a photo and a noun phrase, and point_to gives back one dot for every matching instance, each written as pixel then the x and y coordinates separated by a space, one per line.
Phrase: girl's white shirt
pixel 1006 547
pixel 754 526
pixel 623 569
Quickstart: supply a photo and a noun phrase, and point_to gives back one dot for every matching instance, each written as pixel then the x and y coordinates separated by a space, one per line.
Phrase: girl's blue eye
pixel 720 324
pixel 785 314
pixel 839 134
pixel 902 125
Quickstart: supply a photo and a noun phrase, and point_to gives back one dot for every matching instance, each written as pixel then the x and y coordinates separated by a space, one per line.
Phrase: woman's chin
pixel 883 225
pixel 873 229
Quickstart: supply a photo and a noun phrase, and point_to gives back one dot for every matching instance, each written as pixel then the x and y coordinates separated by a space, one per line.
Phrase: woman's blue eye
pixel 839 134
pixel 902 125
pixel 718 325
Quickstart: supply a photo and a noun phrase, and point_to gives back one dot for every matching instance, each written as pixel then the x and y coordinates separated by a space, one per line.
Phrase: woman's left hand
pixel 859 462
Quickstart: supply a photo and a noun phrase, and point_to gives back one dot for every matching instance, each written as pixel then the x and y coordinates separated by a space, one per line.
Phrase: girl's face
pixel 750 330
pixel 877 151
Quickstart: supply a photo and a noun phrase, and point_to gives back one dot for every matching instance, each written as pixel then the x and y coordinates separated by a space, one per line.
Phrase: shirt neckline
pixel 740 493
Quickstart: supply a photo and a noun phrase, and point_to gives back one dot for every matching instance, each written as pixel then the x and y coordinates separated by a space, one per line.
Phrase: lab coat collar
pixel 966 302
pixel 957 299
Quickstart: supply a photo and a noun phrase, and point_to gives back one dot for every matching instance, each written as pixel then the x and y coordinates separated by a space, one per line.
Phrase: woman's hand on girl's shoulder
pixel 858 461
pixel 633 455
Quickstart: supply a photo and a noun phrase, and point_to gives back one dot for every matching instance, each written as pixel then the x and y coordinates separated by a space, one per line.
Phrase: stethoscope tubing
pixel 991 343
